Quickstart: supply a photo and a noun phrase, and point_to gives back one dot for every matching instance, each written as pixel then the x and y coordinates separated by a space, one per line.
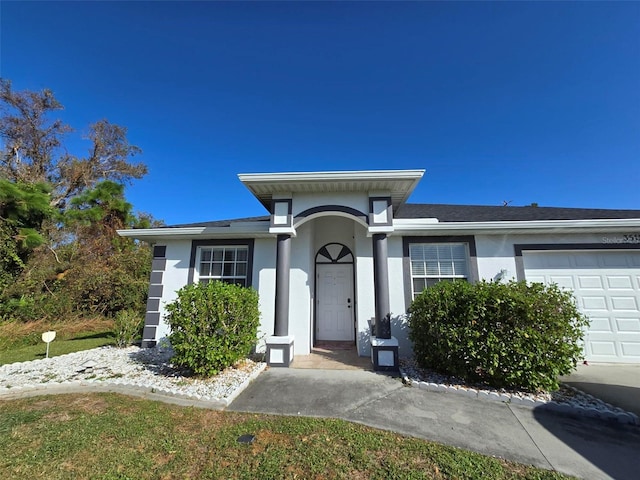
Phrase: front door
pixel 334 314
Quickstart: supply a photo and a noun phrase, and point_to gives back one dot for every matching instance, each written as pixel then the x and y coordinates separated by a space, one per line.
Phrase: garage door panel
pixel 598 303
pixel 630 350
pixel 590 282
pixel 600 324
pixel 627 325
pixel 606 285
pixel 620 282
pixel 603 348
pixel 628 304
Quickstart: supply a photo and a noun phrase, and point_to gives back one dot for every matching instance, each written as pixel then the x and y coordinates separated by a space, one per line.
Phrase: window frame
pixel 196 251
pixel 472 261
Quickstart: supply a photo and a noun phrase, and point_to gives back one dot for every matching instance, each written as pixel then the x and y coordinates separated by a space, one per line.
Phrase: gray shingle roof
pixel 480 213
pixel 470 213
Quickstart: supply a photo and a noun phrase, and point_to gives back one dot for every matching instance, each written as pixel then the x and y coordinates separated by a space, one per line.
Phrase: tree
pixel 32 147
pixel 22 211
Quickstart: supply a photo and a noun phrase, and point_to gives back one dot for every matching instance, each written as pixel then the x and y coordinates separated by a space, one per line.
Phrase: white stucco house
pixel 340 255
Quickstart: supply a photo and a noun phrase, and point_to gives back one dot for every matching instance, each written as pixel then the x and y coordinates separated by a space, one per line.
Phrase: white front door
pixel 334 305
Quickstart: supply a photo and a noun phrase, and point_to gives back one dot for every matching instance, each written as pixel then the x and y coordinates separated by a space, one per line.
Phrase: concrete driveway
pixel 587 448
pixel 617 384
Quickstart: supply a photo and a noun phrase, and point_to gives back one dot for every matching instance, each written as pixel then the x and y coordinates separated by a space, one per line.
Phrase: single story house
pixel 341 255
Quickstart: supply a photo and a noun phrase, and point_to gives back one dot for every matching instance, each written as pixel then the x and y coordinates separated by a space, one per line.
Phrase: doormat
pixel 328 345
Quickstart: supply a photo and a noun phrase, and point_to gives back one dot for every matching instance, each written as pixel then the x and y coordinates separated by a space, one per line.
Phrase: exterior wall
pixel 365 303
pixel 496 252
pixel 305 201
pixel 175 277
pixel 397 302
pixel 300 289
pixel 264 281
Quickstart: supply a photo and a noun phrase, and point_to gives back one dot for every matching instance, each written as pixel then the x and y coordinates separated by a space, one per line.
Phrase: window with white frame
pixel 435 262
pixel 227 263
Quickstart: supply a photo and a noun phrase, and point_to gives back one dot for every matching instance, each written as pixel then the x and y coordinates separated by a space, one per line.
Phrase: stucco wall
pixel 174 278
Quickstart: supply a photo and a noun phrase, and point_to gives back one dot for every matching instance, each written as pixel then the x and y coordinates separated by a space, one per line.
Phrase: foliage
pixel 78 436
pixel 23 208
pixel 60 254
pixel 513 335
pixel 213 325
pixel 33 147
pixel 128 327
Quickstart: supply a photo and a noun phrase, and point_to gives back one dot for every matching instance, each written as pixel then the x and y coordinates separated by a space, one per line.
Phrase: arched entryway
pixel 334 294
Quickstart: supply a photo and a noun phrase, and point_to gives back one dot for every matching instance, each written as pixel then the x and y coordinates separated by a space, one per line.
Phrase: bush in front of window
pixel 513 335
pixel 213 325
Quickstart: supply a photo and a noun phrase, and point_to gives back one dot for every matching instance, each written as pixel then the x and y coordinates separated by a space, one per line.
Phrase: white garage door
pixel 606 285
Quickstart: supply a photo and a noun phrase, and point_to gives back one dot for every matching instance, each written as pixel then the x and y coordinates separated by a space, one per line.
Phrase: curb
pixel 609 413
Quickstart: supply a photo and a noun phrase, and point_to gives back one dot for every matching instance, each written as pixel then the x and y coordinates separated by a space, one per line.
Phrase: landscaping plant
pixel 128 327
pixel 513 335
pixel 213 326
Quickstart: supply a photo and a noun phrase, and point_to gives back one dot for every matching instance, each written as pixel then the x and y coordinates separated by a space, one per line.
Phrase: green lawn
pixel 111 436
pixel 57 347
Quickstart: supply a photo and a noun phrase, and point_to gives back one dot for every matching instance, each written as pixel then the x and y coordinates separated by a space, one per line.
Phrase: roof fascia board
pixel 330 176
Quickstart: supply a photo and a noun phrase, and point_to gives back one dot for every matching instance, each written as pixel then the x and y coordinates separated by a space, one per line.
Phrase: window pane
pixel 416 252
pixel 216 270
pixel 446 268
pixel 204 280
pixel 206 255
pixel 460 267
pixel 205 269
pixel 458 252
pixel 229 254
pixel 217 254
pixel 242 254
pixel 444 252
pixel 432 268
pixel 418 285
pixel 418 268
pixel 228 270
pixel 241 269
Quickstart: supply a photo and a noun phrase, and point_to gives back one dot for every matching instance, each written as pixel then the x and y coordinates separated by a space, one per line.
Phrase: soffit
pixel 398 183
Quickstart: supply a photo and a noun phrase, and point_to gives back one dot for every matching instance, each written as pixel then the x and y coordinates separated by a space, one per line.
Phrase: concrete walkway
pixel 586 448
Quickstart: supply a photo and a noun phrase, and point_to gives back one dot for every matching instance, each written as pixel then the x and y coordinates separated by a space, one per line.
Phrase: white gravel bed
pixel 565 400
pixel 133 366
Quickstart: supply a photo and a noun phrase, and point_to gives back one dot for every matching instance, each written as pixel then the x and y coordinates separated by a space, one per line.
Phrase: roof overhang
pixel 398 183
pixel 235 230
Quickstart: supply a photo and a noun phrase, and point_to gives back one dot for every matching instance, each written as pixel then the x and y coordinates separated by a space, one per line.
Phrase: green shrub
pixel 213 326
pixel 128 327
pixel 513 335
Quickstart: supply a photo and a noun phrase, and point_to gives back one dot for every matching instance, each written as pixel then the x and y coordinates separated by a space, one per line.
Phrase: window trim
pixel 472 264
pixel 196 244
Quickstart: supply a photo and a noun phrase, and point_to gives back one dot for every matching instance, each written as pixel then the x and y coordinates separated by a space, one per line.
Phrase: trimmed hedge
pixel 513 335
pixel 213 325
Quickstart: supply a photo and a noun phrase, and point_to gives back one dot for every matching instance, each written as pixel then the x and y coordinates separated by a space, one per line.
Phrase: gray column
pixel 381 283
pixel 283 262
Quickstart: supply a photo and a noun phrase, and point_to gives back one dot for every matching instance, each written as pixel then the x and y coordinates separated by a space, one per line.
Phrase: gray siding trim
pixel 152 319
pixel 381 286
pixel 520 247
pixel 159 264
pixel 156 278
pixel 153 305
pixel 289 203
pixel 155 291
pixel 406 261
pixel 331 208
pixel 389 221
pixel 248 242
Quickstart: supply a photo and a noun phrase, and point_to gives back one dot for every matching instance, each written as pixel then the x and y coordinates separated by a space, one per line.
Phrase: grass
pixel 21 341
pixel 111 436
pixel 57 347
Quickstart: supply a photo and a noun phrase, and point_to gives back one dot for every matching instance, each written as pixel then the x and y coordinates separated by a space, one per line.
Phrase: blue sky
pixel 521 102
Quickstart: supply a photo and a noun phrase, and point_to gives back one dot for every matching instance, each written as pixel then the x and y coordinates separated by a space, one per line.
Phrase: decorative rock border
pixel 602 410
pixel 133 371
